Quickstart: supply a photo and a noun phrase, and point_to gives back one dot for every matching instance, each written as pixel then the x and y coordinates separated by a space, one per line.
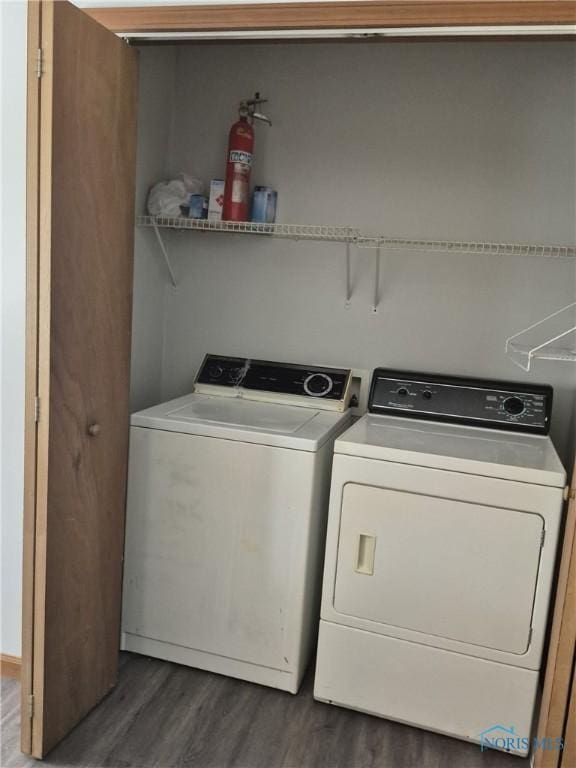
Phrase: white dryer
pixel 226 519
pixel 445 510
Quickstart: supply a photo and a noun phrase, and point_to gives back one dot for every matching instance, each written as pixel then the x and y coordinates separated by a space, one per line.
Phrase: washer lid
pixel 487 452
pixel 234 418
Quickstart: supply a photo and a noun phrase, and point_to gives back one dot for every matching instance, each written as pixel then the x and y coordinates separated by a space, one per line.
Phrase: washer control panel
pixel 475 402
pixel 222 371
pixel 281 382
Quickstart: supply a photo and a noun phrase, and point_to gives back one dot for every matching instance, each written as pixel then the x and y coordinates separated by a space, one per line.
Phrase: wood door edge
pixel 40 285
pixel 334 15
pixel 10 666
pixel 31 376
pixel 569 750
pixel 562 645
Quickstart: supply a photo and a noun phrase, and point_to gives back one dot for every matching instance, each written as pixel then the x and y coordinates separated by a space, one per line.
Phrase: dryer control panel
pixel 474 402
pixel 318 386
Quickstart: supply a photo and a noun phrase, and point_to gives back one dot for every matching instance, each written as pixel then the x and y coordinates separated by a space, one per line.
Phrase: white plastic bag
pixel 193 185
pixel 166 197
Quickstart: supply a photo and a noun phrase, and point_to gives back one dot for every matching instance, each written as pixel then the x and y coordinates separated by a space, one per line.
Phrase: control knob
pixel 514 406
pixel 318 385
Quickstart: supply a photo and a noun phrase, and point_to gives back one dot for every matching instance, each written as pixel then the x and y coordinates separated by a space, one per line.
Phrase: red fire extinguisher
pixel 236 206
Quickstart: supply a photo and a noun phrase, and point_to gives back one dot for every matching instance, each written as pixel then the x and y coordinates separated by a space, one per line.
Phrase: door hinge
pixel 36 409
pixel 39 62
pixel 530 636
pixel 542 538
pixel 31 706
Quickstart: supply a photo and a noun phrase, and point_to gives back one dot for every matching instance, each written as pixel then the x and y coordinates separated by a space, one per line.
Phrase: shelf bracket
pixel 348 275
pixel 377 260
pixel 165 254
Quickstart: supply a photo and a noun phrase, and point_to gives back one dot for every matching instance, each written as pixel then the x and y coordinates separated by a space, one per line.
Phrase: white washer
pixel 226 519
pixel 440 557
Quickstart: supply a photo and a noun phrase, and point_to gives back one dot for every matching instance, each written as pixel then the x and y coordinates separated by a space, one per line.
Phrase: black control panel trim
pixel 222 371
pixel 317 382
pixel 509 415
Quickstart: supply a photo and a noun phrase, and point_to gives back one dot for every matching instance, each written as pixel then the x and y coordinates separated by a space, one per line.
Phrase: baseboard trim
pixel 10 666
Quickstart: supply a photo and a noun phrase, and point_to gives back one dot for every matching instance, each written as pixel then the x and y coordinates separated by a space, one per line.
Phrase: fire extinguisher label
pixel 239 190
pixel 238 156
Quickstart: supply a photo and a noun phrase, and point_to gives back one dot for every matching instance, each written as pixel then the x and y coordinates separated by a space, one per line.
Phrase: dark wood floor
pixel 164 715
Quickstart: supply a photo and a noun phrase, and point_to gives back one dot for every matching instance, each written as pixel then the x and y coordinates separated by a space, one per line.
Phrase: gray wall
pixel 449 140
pixel 155 99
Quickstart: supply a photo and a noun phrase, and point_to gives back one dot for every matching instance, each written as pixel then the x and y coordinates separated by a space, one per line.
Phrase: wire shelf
pixel 320 232
pixel 294 231
pixel 552 338
pixel 518 348
pixel 461 246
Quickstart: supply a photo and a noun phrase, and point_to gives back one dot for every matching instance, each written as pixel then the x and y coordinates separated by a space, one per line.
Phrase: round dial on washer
pixel 513 406
pixel 318 384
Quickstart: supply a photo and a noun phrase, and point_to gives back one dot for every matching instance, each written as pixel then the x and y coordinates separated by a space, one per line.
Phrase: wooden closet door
pixel 554 716
pixel 569 752
pixel 81 145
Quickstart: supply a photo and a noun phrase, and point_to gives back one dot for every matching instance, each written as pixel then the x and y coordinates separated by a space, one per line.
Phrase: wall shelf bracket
pixel 165 254
pixel 552 338
pixel 348 275
pixel 377 264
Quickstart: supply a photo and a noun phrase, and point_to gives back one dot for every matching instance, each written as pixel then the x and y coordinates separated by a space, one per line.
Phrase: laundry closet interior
pixel 436 140
pixel 439 142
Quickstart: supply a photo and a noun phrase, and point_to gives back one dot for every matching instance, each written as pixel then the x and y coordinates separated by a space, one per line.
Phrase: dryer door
pixel 443 567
